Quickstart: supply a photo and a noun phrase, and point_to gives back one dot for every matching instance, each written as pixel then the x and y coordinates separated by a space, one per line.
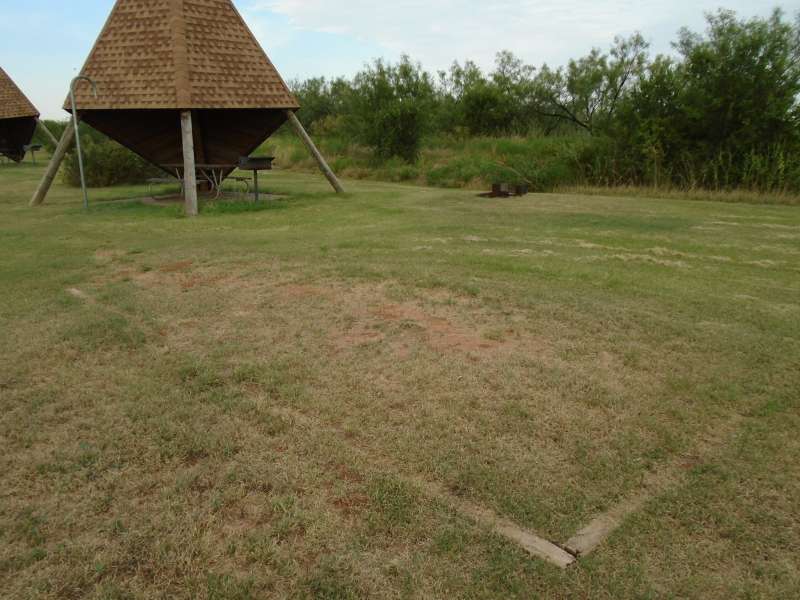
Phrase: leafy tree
pixel 452 87
pixel 725 114
pixel 587 93
pixel 495 105
pixel 322 101
pixel 742 82
pixel 315 97
pixel 390 108
pixel 647 124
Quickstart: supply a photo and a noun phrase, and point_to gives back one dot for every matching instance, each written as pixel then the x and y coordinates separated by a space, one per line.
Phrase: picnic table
pixel 256 164
pixel 215 173
pixel 33 149
pixel 212 173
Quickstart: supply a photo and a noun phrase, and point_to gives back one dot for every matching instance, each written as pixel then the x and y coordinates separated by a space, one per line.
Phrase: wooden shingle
pixel 13 103
pixel 180 54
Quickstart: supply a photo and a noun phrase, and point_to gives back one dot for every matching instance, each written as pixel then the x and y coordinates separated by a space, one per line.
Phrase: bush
pixel 107 163
pixel 723 115
pixel 389 106
pixel 723 112
pixel 397 131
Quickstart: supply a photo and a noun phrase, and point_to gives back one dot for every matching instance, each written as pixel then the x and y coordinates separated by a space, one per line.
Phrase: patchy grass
pixel 742 196
pixel 239 406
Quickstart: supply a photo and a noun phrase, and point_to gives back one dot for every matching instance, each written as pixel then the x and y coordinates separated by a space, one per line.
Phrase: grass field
pixel 299 401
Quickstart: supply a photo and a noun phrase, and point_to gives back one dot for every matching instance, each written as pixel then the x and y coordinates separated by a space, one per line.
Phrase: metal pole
pixel 77 134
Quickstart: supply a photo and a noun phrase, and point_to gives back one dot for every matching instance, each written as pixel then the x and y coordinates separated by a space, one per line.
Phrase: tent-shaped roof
pixel 13 103
pixel 17 119
pixel 157 58
pixel 180 54
pixel 184 84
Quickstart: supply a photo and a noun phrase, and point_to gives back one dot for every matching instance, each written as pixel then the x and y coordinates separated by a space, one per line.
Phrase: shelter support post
pixel 323 165
pixel 55 163
pixel 47 132
pixel 189 173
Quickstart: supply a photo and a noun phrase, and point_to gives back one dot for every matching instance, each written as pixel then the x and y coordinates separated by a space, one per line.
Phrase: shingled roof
pixel 13 103
pixel 180 54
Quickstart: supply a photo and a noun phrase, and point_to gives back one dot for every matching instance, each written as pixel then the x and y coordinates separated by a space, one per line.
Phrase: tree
pixel 495 105
pixel 322 101
pixel 742 81
pixel 587 93
pixel 726 113
pixel 391 106
pixel 452 87
pixel 646 128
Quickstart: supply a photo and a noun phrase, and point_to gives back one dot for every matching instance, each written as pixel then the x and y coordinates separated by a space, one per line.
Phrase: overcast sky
pixel 44 43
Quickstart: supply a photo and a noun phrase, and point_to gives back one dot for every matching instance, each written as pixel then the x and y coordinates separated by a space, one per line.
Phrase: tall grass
pixel 454 162
pixel 556 163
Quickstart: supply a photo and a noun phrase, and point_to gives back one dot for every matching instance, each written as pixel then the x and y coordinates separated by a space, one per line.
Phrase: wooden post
pixel 199 150
pixel 52 169
pixel 326 170
pixel 189 175
pixel 44 128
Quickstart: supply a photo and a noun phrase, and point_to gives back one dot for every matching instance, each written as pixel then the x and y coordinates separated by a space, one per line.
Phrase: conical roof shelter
pixel 183 83
pixel 156 58
pixel 18 119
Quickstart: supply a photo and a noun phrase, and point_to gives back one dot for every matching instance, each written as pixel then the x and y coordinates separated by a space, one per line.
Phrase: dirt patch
pixel 441 333
pixel 352 504
pixel 182 275
pixel 358 337
pixel 346 473
pixel 177 267
pixel 194 281
pixel 298 291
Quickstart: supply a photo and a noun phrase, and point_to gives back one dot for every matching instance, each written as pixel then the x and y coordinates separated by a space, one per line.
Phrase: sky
pixel 43 43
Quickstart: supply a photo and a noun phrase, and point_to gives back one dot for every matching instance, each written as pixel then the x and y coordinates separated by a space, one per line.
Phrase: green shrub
pixel 389 105
pixel 107 163
pixel 397 131
pixel 721 112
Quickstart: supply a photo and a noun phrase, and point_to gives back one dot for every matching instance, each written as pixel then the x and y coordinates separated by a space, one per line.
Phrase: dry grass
pixel 291 403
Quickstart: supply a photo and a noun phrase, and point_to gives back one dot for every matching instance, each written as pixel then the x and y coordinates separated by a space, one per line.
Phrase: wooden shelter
pixel 184 83
pixel 18 119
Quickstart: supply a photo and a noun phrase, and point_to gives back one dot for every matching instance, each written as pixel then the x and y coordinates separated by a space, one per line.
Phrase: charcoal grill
pixel 256 164
pixel 507 190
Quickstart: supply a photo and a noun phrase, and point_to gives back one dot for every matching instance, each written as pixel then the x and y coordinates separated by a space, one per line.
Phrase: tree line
pixel 721 112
